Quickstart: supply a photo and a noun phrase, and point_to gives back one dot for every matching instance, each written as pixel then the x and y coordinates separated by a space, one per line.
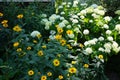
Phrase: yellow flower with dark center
pixel 39 36
pixel 4 22
pixel 81 45
pixel 60 77
pixel 69 32
pixel 34 41
pixel 20 16
pixel 19 50
pixel 63 42
pixel 72 70
pixel 43 77
pixel 100 56
pixel 60 30
pixel 16 44
pixel 49 73
pixel 1 14
pixel 56 62
pixel 69 46
pixel 86 65
pixel 17 28
pixel 58 37
pixel 29 48
pixel 30 72
pixel 44 46
pixel 40 53
pixel 5 25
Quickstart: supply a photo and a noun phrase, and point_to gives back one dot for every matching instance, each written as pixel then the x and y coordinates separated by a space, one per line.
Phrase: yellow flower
pixel 40 53
pixel 81 45
pixel 56 62
pixel 30 72
pixel 39 36
pixel 4 22
pixel 49 73
pixel 34 41
pixel 17 28
pixel 44 46
pixel 63 42
pixel 20 16
pixel 29 48
pixel 69 32
pixel 69 46
pixel 19 50
pixel 16 44
pixel 1 14
pixel 60 30
pixel 73 62
pixel 60 77
pixel 58 37
pixel 56 26
pixel 100 56
pixel 44 77
pixel 5 25
pixel 72 70
pixel 86 65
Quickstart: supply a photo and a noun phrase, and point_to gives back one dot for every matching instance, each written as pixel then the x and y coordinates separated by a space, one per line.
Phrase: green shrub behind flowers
pixel 80 40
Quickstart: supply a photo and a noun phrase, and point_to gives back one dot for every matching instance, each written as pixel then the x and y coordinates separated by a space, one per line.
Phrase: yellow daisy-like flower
pixel 43 77
pixel 49 73
pixel 81 45
pixel 69 32
pixel 56 62
pixel 86 65
pixel 63 42
pixel 73 62
pixel 58 37
pixel 72 70
pixel 5 25
pixel 40 53
pixel 4 22
pixel 30 72
pixel 34 41
pixel 20 16
pixel 39 36
pixel 16 44
pixel 60 30
pixel 19 50
pixel 29 48
pixel 100 56
pixel 17 28
pixel 69 46
pixel 1 14
pixel 60 77
pixel 44 46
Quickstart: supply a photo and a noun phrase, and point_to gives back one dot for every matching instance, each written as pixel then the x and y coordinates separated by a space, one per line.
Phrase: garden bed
pixel 65 41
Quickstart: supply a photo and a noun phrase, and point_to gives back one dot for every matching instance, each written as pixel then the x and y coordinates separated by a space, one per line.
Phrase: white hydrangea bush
pixel 92 35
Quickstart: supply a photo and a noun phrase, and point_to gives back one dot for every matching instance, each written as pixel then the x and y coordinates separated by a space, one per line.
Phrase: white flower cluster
pixel 117 28
pixel 91 42
pixel 35 33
